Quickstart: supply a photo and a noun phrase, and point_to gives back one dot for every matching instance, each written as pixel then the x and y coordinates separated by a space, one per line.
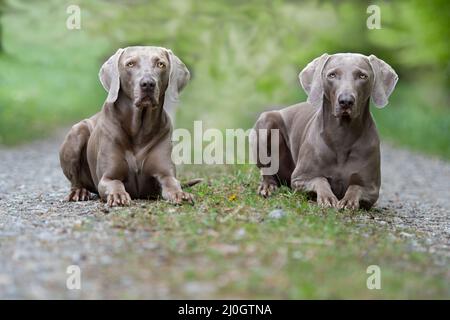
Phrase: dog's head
pixel 347 81
pixel 146 75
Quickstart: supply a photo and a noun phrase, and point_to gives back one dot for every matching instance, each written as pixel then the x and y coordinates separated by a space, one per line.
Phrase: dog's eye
pixel 161 65
pixel 130 64
pixel 332 75
pixel 363 76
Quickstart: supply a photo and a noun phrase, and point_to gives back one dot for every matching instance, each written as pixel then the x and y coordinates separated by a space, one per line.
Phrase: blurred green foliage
pixel 244 56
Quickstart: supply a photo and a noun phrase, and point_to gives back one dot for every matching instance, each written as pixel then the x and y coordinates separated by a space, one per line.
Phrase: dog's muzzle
pixel 346 102
pixel 146 96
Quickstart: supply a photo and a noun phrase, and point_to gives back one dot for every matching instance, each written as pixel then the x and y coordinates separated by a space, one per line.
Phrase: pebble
pixel 240 233
pixel 277 214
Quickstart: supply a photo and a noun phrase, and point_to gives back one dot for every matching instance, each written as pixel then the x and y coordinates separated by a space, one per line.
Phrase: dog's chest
pixel 134 164
pixel 138 183
pixel 340 172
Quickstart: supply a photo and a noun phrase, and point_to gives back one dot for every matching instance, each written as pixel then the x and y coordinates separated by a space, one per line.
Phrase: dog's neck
pixel 339 132
pixel 139 123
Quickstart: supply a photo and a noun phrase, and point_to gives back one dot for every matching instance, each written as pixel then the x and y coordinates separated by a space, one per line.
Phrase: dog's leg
pixel 267 185
pixel 113 192
pixel 321 187
pixel 171 190
pixel 358 196
pixel 351 198
pixel 72 156
pixel 113 169
pixel 159 165
pixel 262 141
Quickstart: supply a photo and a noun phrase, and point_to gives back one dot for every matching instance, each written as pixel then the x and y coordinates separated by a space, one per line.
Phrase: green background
pixel 244 56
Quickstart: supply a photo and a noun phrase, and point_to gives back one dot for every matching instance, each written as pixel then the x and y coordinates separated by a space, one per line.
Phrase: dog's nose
pixel 147 83
pixel 346 100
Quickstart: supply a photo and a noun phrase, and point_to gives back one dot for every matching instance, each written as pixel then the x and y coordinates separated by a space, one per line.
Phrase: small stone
pixel 406 235
pixel 240 233
pixel 277 214
pixel 78 223
pixel 194 288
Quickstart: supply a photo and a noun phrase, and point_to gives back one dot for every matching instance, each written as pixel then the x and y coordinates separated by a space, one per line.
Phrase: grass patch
pixel 227 246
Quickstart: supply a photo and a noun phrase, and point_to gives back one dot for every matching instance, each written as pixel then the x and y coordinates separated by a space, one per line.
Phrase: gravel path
pixel 415 194
pixel 39 234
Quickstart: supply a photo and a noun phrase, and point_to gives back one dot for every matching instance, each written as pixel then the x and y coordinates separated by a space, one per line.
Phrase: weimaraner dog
pixel 124 151
pixel 329 146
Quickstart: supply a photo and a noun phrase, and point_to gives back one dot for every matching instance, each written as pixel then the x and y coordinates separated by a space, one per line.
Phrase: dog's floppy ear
pixel 311 80
pixel 385 79
pixel 109 76
pixel 178 77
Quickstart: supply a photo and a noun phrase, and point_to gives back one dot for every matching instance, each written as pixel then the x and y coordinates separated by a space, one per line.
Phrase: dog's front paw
pixel 177 197
pixel 78 194
pixel 327 200
pixel 118 199
pixel 297 185
pixel 348 203
pixel 266 189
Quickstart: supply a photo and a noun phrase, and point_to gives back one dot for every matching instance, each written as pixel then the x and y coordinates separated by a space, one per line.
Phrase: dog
pixel 124 151
pixel 329 146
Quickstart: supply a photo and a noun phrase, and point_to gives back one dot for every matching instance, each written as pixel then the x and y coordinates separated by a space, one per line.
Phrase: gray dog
pixel 124 151
pixel 329 145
